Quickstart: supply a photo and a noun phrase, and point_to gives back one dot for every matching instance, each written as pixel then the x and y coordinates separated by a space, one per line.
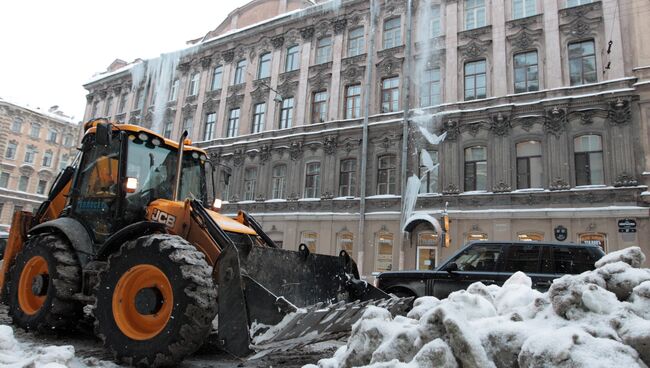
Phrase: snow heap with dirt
pixel 599 318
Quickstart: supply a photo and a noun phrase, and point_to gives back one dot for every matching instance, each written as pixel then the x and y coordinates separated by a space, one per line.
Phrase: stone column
pixel 499 71
pixel 553 49
pixel 276 67
pixel 337 56
pixel 300 102
pixel 451 52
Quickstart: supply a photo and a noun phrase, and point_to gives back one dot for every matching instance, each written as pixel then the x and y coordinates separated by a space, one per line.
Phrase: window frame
pixel 239 74
pixel 323 51
pixel 257 125
pixel 347 178
pixel 474 76
pixel 279 182
pixel 475 10
pixel 264 66
pixel 392 104
pixel 428 179
pixel 209 126
pixel 527 158
pixel 217 78
pixel 524 11
pixel 356 44
pixel 582 58
pixel 526 68
pixel 286 113
pixel 193 86
pixel 473 163
pixel 319 107
pixel 232 126
pixel 354 111
pixel 315 179
pixel 428 84
pixel 292 59
pixel 588 160
pixel 250 183
pixel 391 37
pixel 390 174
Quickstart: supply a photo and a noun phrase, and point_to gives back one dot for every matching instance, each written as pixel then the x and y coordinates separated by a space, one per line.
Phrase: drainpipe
pixel 364 137
pixel 406 87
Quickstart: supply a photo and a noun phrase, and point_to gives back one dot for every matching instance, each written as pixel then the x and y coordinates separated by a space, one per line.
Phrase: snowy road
pixel 89 351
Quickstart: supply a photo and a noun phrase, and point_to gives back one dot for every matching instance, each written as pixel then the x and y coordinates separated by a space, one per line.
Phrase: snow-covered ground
pixel 599 318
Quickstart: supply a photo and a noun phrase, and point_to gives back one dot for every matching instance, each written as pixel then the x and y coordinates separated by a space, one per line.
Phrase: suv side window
pixel 573 260
pixel 547 259
pixel 479 257
pixel 523 257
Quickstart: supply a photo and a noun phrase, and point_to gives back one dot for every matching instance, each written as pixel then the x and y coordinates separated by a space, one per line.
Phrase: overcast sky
pixel 48 49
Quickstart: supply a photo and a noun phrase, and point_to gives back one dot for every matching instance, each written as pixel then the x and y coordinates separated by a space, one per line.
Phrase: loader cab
pixel 124 169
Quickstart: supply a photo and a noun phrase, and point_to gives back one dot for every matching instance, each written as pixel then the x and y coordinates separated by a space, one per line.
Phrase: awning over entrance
pixel 418 218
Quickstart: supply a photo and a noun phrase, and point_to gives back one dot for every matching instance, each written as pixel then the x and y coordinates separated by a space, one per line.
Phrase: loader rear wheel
pixel 42 281
pixel 155 301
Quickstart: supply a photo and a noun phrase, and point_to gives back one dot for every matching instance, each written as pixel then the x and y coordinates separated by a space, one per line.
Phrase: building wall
pixel 16 128
pixel 612 106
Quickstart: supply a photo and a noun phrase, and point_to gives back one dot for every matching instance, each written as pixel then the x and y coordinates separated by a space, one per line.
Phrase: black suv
pixel 493 263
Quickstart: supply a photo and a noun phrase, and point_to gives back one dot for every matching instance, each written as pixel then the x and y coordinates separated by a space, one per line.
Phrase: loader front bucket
pixel 273 299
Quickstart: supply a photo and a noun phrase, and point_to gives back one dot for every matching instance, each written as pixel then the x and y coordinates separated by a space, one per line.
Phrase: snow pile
pixel 600 318
pixel 14 354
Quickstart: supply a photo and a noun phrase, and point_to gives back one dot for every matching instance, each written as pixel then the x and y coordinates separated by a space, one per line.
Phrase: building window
pixel 238 78
pixel 312 180
pixel 23 182
pixel 42 185
pixel 217 76
pixel 4 180
pixel 108 109
pixel 193 90
pixel 279 181
pixel 250 179
pixel 435 27
pixel 67 140
pixel 598 239
pixel 475 80
pixel 17 125
pixel 475 235
pixel 526 75
pixel 51 136
pixel 529 165
pixel 286 113
pixel 387 174
pixel 63 162
pixel 570 3
pixel 345 241
pixel 355 41
pixel 187 125
pixel 390 94
pixel 139 98
pixel 264 69
pixel 474 14
pixel 233 123
pixel 259 111
pixel 169 126
pixel 384 245
pixel 292 61
pixel 428 171
pixel 123 99
pixel 319 107
pixel 523 8
pixel 324 50
pixel 11 150
pixel 530 236
pixel 173 90
pixel 36 130
pixel 353 101
pixel 30 154
pixel 430 88
pixel 427 251
pixel 210 120
pixel 47 159
pixel 348 178
pixel 475 168
pixel 392 36
pixel 589 160
pixel 310 239
pixel 582 63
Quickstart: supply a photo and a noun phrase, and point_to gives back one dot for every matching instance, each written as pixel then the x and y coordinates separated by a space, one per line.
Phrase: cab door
pixel 97 190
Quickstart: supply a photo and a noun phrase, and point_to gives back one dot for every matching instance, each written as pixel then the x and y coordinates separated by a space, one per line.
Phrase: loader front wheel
pixel 155 301
pixel 42 281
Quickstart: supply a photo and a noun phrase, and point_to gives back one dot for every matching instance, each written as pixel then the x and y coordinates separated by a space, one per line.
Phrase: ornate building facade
pixel 34 145
pixel 323 113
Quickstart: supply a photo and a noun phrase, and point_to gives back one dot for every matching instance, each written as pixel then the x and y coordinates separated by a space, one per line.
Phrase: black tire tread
pixel 198 316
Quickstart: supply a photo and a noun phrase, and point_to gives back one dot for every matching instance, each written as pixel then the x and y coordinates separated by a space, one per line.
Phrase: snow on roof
pixel 50 115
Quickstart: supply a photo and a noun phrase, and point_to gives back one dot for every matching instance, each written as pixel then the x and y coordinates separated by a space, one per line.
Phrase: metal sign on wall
pixel 560 233
pixel 627 226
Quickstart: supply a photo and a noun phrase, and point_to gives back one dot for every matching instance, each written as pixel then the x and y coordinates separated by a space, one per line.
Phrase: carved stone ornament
pixel 452 128
pixel 472 50
pixel 307 33
pixel 183 67
pixel 451 189
pixel 620 112
pixel 117 89
pixel 586 117
pixel 234 100
pixel 330 144
pixel 473 128
pixel 102 94
pixel 265 154
pixel 287 88
pixel 228 56
pixel 352 74
pixel 559 184
pixel 320 81
pixel 277 42
pixel 500 125
pixel 389 65
pixel 327 195
pixel 580 28
pixel 555 121
pixel 625 180
pixel 501 188
pixel 295 151
pixel 234 198
pixel 210 105
pixel 522 41
pixel 238 157
pixel 339 25
pixel 206 61
pixel 89 97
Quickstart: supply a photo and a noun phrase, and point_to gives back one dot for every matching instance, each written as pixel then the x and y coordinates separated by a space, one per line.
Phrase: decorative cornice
pixel 277 42
pixel 555 121
pixel 339 25
pixel 307 33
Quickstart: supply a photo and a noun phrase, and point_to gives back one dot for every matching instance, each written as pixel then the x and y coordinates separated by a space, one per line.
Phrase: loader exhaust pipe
pixel 179 166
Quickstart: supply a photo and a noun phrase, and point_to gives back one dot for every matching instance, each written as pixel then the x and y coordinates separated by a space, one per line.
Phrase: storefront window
pixel 595 239
pixel 345 241
pixel 530 236
pixel 427 251
pixel 309 238
pixel 476 236
pixel 384 243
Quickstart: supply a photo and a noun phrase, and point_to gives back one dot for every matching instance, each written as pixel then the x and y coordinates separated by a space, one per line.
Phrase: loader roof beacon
pixel 126 229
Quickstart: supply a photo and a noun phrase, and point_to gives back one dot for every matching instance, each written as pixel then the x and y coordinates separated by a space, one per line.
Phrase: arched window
pixel 310 239
pixel 530 236
pixel 345 241
pixel 475 235
pixel 589 159
pixel 599 239
pixel 384 246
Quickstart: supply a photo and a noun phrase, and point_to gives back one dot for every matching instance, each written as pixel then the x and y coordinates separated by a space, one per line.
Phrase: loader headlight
pixel 216 205
pixel 131 185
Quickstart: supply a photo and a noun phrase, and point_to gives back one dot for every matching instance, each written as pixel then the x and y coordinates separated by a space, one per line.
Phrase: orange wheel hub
pixel 32 287
pixel 142 302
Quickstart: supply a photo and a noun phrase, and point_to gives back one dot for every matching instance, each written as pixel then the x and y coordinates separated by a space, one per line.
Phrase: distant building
pixel 544 105
pixel 34 146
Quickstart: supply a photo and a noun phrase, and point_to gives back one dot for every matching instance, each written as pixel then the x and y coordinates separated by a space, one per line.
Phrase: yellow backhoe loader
pixel 129 229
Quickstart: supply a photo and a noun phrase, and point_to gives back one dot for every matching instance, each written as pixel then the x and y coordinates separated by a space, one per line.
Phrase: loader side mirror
pixel 103 134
